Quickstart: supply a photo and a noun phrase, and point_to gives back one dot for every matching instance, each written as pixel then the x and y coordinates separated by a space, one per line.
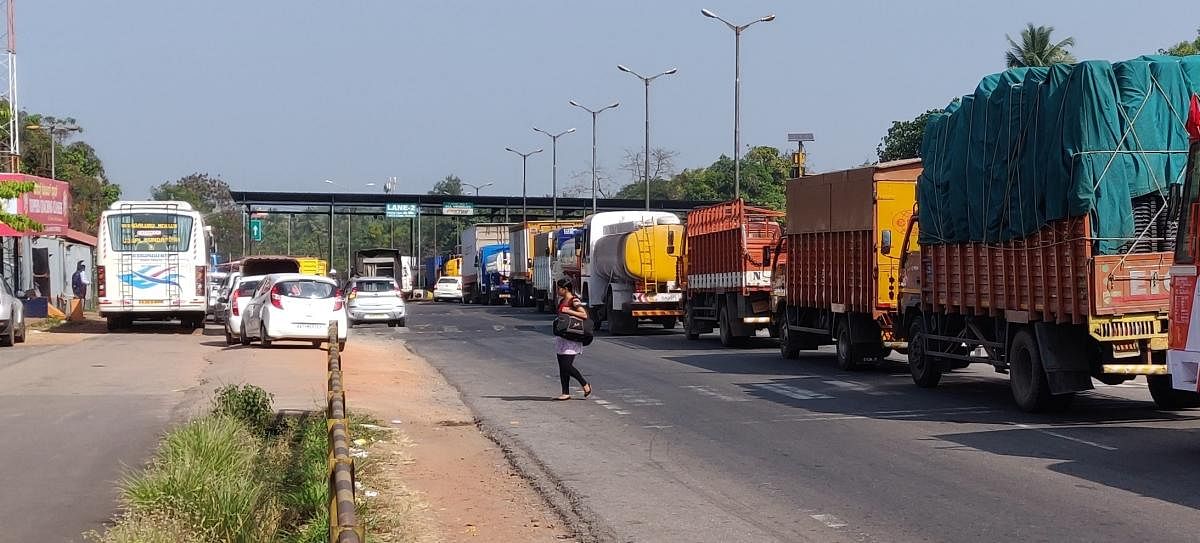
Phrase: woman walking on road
pixel 567 350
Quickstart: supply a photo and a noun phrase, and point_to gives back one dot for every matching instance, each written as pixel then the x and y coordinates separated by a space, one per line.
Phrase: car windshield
pixel 305 289
pixel 247 288
pixel 375 286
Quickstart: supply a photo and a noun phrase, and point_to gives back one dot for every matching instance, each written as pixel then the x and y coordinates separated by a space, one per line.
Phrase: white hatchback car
pixel 448 288
pixel 375 299
pixel 241 291
pixel 294 307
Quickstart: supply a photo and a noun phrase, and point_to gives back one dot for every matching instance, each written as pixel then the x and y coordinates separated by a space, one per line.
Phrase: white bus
pixel 152 263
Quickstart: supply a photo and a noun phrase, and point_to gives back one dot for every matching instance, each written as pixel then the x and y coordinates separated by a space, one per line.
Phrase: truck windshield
pixel 1186 237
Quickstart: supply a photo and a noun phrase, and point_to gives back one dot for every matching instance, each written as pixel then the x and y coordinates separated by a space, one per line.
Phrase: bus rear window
pixel 150 232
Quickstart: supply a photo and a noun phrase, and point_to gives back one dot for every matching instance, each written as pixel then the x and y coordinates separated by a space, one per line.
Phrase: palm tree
pixel 1037 49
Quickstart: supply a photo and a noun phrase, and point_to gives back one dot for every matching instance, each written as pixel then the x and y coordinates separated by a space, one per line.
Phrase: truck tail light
pixel 233 305
pixel 101 284
pixel 337 300
pixel 277 297
pixel 201 281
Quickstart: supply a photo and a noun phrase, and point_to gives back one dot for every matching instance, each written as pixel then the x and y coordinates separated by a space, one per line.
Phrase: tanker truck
pixel 630 269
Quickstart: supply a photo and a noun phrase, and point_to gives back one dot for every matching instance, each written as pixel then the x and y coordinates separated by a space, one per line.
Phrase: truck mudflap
pixel 1067 366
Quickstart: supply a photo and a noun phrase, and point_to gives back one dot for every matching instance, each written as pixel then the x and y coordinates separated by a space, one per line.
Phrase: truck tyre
pixel 849 356
pixel 1027 377
pixel 789 348
pixel 926 371
pixel 668 323
pixel 726 330
pixel 1167 397
pixel 689 323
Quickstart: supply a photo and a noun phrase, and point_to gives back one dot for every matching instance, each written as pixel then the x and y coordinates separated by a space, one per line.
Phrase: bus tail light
pixel 201 281
pixel 101 284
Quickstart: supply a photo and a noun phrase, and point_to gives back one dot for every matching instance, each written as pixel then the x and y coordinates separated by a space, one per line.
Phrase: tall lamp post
pixel 737 93
pixel 554 170
pixel 646 157
pixel 524 170
pixel 594 113
pixel 349 216
pixel 477 187
pixel 51 129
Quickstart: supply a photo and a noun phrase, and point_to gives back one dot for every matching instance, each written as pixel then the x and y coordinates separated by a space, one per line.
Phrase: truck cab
pixel 1183 354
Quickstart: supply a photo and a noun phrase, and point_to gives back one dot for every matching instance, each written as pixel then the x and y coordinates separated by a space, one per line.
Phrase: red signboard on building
pixel 49 204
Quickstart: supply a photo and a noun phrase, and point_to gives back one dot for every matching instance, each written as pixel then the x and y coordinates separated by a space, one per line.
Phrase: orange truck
pixel 726 270
pixel 838 264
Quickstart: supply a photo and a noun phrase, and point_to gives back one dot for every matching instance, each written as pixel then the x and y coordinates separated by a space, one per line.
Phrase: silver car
pixel 375 300
pixel 12 317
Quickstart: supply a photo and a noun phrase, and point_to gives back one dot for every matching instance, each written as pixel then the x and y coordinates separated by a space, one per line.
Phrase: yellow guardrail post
pixel 343 518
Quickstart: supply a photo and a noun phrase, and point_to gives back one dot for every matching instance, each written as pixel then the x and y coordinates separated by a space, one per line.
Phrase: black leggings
pixel 567 370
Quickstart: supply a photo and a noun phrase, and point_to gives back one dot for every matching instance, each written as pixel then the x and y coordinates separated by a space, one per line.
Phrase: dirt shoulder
pixel 40 331
pixel 436 454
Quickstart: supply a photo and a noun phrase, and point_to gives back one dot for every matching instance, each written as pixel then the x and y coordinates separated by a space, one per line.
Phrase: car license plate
pixel 505 295
pixel 308 325
pixel 151 302
pixel 377 316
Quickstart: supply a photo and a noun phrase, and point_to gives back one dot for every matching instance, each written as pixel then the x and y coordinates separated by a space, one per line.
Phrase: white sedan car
pixel 241 291
pixel 448 288
pixel 294 307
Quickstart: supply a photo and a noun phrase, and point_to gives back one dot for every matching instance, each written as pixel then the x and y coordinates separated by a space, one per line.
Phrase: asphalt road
pixel 685 441
pixel 76 417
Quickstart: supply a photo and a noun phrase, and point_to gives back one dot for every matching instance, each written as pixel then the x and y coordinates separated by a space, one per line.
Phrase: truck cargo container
pixel 521 245
pixel 453 267
pixel 495 283
pixel 1045 245
pixel 629 269
pixel 472 239
pixel 550 250
pixel 727 270
pixel 379 263
pixel 433 266
pixel 842 272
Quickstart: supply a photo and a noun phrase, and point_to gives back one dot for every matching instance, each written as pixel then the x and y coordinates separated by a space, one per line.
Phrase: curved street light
pixel 594 113
pixel 524 170
pixel 554 170
pixel 646 157
pixel 737 92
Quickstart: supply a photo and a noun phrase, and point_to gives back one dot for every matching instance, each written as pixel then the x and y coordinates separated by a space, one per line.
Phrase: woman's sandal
pixel 587 390
pixel 563 398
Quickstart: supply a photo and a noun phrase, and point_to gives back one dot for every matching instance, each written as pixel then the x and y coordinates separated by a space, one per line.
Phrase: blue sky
pixel 276 95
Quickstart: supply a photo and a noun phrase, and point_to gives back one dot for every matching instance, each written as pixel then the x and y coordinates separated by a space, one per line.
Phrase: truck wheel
pixel 926 371
pixel 789 348
pixel 1167 397
pixel 849 357
pixel 1027 377
pixel 669 323
pixel 726 330
pixel 689 323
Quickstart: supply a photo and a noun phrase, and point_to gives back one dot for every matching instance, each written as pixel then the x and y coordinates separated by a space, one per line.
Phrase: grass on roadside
pixel 236 475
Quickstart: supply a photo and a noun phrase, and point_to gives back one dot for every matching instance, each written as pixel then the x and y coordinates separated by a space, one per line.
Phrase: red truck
pixel 727 270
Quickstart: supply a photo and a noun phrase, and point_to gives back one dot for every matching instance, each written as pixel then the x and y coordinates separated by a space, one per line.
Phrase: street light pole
pixel 524 169
pixel 477 187
pixel 554 168
pixel 50 130
pixel 737 93
pixel 646 152
pixel 349 217
pixel 594 112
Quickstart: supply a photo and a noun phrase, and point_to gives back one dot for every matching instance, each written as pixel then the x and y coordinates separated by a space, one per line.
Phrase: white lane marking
pixel 658 426
pixel 1066 437
pixel 601 402
pixel 829 520
pixel 498 327
pixel 793 392
pixel 813 419
pixel 714 394
pixel 450 329
pixel 857 387
pixel 939 410
pixel 620 412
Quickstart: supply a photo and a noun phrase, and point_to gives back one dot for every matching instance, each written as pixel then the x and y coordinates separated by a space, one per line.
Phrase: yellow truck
pixel 312 266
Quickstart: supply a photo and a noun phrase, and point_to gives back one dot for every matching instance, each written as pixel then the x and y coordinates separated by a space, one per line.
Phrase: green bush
pixel 247 403
pixel 204 474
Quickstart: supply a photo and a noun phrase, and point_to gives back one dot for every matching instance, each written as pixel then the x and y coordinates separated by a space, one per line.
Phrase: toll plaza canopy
pixel 375 203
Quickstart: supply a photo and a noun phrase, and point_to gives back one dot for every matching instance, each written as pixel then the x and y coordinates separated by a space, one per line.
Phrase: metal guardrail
pixel 344 526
